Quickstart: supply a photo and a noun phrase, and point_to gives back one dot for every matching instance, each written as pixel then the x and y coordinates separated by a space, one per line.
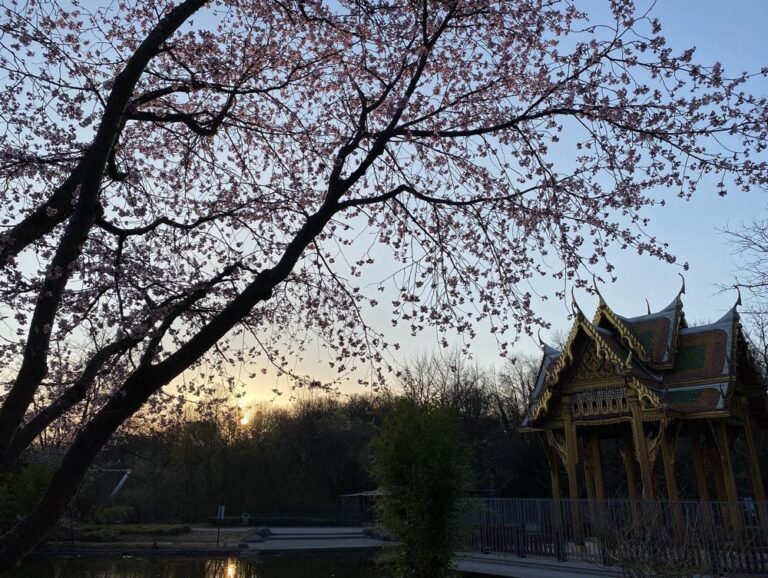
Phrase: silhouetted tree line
pixel 284 461
pixel 296 461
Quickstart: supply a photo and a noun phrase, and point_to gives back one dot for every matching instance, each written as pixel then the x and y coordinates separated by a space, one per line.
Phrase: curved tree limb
pixel 34 365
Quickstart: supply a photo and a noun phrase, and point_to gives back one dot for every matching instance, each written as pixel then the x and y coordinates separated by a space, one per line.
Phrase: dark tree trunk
pixel 137 389
pixel 34 365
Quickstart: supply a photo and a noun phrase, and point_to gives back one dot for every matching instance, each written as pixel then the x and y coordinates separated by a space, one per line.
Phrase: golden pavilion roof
pixel 683 370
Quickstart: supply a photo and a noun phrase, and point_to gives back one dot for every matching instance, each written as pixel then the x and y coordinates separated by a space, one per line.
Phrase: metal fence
pixel 645 537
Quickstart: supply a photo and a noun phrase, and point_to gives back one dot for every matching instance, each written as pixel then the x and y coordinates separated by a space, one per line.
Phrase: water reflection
pixel 267 567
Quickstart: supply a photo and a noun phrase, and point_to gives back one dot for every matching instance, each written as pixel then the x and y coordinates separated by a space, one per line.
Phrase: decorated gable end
pixel 672 369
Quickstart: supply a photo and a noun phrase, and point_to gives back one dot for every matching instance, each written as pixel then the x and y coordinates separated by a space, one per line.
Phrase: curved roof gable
pixel 554 362
pixel 651 337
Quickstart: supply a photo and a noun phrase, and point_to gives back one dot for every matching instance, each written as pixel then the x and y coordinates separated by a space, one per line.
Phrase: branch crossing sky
pixel 732 33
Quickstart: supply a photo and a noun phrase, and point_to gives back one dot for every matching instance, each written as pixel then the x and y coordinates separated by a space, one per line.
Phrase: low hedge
pixel 113 515
pixel 233 521
pixel 227 521
pixel 110 532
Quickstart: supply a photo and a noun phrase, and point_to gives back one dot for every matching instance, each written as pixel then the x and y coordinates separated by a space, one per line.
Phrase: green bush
pixel 422 466
pixel 90 534
pixel 113 515
pixel 20 489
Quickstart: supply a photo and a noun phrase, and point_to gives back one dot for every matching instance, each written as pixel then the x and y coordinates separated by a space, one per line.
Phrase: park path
pixel 284 540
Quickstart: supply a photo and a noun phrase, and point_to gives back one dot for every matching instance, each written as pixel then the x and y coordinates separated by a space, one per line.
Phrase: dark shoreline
pixel 107 552
pixel 136 553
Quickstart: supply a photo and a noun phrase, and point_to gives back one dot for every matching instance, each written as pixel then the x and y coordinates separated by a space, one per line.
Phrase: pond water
pixel 265 567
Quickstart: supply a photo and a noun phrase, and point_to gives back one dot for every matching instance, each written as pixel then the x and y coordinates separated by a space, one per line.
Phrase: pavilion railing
pixel 645 537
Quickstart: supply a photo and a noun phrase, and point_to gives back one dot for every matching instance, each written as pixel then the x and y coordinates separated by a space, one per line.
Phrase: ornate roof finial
pixel 597 290
pixel 647 306
pixel 575 306
pixel 682 289
pixel 732 315
pixel 547 349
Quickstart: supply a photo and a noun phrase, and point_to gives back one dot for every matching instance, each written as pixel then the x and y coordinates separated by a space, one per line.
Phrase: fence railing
pixel 647 537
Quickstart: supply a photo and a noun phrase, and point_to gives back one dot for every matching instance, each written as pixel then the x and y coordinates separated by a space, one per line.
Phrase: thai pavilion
pixel 644 383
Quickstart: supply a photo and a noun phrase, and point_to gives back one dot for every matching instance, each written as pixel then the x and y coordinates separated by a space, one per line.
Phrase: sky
pixel 732 33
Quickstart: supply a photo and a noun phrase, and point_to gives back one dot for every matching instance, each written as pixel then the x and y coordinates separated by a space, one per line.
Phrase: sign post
pixel 219 517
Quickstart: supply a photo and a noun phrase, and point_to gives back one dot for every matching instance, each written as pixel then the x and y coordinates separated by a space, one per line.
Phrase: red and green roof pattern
pixel 690 369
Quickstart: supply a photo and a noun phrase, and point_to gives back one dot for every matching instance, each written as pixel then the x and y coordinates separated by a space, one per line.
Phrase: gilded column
pixel 641 448
pixel 554 468
pixel 758 489
pixel 571 461
pixel 597 466
pixel 571 449
pixel 668 447
pixel 723 448
pixel 715 464
pixel 698 461
pixel 625 449
pixel 668 456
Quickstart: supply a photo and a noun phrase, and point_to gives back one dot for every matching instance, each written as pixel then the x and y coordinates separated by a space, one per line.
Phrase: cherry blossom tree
pixel 185 184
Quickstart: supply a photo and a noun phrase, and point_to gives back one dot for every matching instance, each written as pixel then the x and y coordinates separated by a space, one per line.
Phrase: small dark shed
pixel 359 507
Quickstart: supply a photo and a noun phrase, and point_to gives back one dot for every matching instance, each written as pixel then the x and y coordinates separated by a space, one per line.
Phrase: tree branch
pixel 34 365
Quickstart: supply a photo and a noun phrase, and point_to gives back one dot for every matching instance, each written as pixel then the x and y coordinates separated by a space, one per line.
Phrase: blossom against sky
pixel 731 33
